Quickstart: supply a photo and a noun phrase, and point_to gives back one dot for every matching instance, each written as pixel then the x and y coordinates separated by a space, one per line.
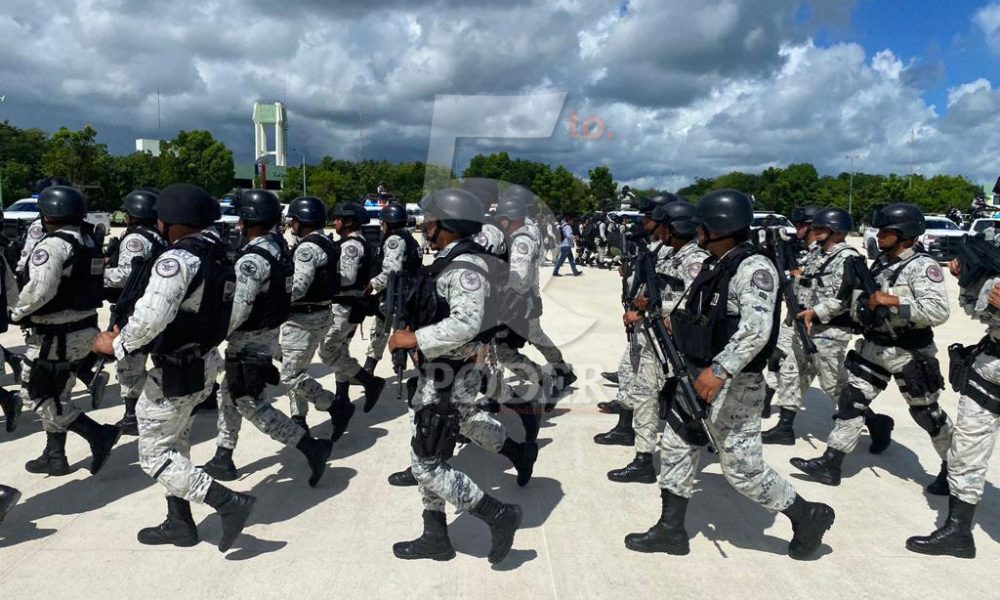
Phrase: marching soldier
pixel 899 345
pixel 400 254
pixel 736 293
pixel 261 304
pixel 58 305
pixel 314 283
pixel 449 305
pixel 181 318
pixel 141 241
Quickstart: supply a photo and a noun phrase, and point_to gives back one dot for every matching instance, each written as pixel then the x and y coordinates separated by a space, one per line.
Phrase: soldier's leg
pixel 334 351
pixel 921 389
pixel 642 396
pixel 540 340
pixel 973 441
pixel 131 373
pixel 622 433
pixel 299 339
pixel 378 339
pixel 795 372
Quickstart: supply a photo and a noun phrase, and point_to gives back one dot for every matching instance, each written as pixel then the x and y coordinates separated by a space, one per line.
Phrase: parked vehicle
pixel 19 215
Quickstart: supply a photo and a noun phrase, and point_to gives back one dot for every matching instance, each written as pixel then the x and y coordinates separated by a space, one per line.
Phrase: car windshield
pixel 23 206
pixel 984 224
pixel 941 224
pixel 777 221
pixel 374 213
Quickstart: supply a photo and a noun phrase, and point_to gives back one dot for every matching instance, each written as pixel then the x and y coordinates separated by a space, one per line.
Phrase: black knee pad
pixel 930 418
pixel 851 404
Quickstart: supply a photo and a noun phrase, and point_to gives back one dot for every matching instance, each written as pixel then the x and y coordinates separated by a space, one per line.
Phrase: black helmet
pixel 62 202
pixel 486 190
pixel 308 210
pixel 834 219
pixel 805 214
pixel 457 210
pixel 139 205
pixel 511 207
pixel 526 196
pixel 186 204
pixel 724 211
pixel 46 182
pixel 350 210
pixel 905 218
pixel 394 213
pixel 679 215
pixel 259 207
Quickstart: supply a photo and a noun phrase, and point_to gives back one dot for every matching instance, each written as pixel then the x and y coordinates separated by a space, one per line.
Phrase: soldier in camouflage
pixel 260 305
pixel 449 307
pixel 729 379
pixel 977 424
pixel 898 343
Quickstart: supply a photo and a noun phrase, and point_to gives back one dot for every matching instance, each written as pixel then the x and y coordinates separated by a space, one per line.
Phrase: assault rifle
pixel 857 276
pixel 782 253
pixel 666 351
pixel 629 257
pixel 396 295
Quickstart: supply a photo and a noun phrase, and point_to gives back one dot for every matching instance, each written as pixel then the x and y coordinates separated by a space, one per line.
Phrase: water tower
pixel 264 114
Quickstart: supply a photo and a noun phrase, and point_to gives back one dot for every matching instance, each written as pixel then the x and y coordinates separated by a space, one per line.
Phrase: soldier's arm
pixel 10 284
pixel 251 273
pixel 168 283
pixel 520 263
pixel 756 292
pixel 350 259
pixel 928 306
pixel 45 268
pixel 982 308
pixel 392 262
pixel 34 234
pixel 466 294
pixel 131 247
pixel 836 305
pixel 308 258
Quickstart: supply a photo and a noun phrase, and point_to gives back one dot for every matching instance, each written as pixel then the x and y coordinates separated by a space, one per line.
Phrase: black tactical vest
pixel 271 308
pixel 702 327
pixel 326 281
pixel 152 236
pixel 428 307
pixel 83 287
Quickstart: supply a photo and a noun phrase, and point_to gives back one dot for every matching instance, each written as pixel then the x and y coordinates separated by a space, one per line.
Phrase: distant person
pixel 566 248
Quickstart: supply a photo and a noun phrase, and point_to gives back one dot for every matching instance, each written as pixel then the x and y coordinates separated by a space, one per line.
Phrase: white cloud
pixel 987 19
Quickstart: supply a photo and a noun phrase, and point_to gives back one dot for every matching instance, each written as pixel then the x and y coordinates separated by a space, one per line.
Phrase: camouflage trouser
pixel 378 335
pixel 798 369
pixel 846 432
pixel 256 409
pixel 131 372
pixel 334 350
pixel 300 336
pixel 642 396
pixel 735 425
pixel 57 412
pixel 625 371
pixel 540 340
pixel 519 364
pixel 437 481
pixel 164 434
pixel 786 333
pixel 973 440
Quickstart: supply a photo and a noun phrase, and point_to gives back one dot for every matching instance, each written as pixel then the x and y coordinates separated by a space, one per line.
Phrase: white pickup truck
pixel 22 213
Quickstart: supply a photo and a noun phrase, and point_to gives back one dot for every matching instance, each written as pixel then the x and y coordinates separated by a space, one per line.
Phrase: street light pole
pixel 850 197
pixel 303 155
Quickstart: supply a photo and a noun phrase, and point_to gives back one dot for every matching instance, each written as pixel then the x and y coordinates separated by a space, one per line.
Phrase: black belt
pixel 309 308
pixel 64 328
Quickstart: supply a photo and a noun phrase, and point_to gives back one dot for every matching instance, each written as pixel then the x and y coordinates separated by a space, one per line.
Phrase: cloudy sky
pixel 677 89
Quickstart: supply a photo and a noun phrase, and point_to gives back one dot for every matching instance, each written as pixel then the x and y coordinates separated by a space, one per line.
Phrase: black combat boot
pixel 529 413
pixel 16 363
pixel 128 424
pixel 611 408
pixel 565 373
pixel 340 411
pixel 403 478
pixel 782 434
pixel 178 529
pixel 825 469
pixel 765 411
pixel 611 376
pixel 621 435
pixel 53 459
pixel 954 538
pixel 10 404
pixel 234 509
pixel 370 364
pixel 373 388
pixel 210 403
pixel 433 543
pixel 8 498
pixel 668 534
pixel 880 430
pixel 221 465
pixel 503 519
pixel 102 438
pixel 300 420
pixel 317 452
pixel 940 487
pixel 523 457
pixel 640 470
pixel 810 521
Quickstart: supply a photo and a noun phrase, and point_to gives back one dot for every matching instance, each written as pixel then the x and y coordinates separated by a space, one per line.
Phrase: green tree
pixel 75 155
pixel 197 157
pixel 602 186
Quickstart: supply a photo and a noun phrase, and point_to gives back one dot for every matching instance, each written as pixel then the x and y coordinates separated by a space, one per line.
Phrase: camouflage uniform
pixel 393 253
pixel 46 267
pixel 975 431
pixel 302 332
pixel 783 359
pixel 821 295
pixel 525 255
pixel 923 304
pixel 452 338
pixel 253 277
pixel 735 412
pixel 35 233
pixel 165 422
pixel 334 350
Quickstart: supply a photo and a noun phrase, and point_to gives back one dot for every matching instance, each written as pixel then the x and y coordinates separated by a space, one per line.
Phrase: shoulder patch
pixel 351 251
pixel 133 245
pixel 520 247
pixel 763 279
pixel 168 267
pixel 39 257
pixel 36 232
pixel 248 268
pixel 304 254
pixel 935 274
pixel 392 243
pixel 694 269
pixel 470 281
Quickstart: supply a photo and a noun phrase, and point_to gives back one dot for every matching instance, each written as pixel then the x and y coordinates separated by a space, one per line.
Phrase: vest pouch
pixel 48 379
pixel 960 359
pixel 249 375
pixel 693 335
pixel 436 432
pixel 182 376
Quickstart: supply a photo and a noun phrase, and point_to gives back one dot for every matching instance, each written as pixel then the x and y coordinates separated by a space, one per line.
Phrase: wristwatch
pixel 719 372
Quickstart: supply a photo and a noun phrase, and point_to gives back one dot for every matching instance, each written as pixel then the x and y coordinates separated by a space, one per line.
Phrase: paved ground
pixel 75 536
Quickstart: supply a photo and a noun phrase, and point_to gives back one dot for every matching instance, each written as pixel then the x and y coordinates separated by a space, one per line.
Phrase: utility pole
pixel 303 155
pixel 850 197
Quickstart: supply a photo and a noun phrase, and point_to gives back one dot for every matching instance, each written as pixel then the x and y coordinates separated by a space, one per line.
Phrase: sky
pixel 670 90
